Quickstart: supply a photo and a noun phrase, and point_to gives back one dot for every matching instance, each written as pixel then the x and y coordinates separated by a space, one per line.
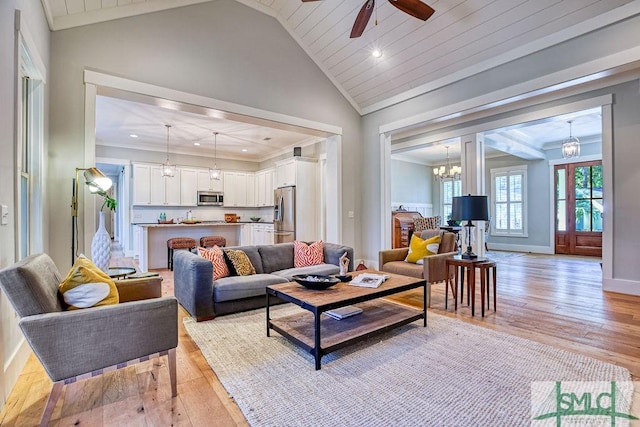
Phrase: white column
pixel 473 182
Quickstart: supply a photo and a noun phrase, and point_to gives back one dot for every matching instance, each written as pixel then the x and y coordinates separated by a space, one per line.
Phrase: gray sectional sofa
pixel 205 298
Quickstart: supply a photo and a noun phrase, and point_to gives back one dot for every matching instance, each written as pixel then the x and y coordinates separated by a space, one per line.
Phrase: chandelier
pixel 214 172
pixel 168 169
pixel 571 145
pixel 447 172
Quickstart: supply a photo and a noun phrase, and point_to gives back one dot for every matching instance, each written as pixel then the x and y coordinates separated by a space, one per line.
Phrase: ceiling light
pixel 447 172
pixel 196 143
pixel 244 150
pixel 377 53
pixel 133 135
pixel 571 145
pixel 168 169
pixel 215 173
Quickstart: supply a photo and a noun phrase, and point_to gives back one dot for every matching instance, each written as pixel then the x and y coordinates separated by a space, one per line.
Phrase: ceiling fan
pixel 414 8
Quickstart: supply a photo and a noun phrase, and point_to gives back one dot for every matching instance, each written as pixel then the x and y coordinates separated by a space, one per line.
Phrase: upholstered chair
pixel 72 345
pixel 433 269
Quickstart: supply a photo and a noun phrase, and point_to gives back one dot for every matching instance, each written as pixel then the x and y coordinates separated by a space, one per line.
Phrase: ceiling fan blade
pixel 362 19
pixel 414 8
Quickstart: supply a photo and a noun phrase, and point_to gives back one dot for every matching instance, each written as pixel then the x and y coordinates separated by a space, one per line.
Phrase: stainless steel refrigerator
pixel 284 214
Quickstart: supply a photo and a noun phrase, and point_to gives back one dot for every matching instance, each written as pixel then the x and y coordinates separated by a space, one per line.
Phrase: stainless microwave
pixel 210 198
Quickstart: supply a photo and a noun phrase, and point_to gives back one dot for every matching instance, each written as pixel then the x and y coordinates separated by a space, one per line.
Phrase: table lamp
pixel 470 208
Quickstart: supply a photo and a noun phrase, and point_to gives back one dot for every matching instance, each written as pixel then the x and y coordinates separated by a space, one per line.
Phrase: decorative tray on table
pixel 190 221
pixel 317 282
pixel 165 221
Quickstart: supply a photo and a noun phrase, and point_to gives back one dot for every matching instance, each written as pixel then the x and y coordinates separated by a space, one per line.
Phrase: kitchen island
pixel 152 239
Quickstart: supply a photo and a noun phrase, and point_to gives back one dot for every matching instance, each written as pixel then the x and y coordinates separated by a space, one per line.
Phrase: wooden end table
pixel 469 266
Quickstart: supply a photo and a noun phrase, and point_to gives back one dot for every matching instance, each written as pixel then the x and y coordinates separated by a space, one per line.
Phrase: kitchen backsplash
pixel 142 215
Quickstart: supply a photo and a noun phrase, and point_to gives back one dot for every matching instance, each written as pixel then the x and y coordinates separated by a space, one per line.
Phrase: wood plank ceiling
pixel 417 56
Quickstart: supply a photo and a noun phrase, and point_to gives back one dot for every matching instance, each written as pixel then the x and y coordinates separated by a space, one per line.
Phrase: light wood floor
pixel 556 300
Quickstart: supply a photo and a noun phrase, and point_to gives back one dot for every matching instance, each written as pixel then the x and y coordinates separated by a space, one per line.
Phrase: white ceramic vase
pixel 101 246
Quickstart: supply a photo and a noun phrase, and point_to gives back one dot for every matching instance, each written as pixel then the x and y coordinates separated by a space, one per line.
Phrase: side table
pixel 467 267
pixel 120 272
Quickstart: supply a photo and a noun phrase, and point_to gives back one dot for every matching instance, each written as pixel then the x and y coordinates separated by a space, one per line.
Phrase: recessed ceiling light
pixel 196 143
pixel 377 53
pixel 244 150
pixel 133 135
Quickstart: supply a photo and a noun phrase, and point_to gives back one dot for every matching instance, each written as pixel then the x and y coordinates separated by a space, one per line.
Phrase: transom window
pixel 509 195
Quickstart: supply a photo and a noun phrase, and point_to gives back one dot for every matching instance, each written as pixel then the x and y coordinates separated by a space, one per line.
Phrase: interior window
pixel 508 192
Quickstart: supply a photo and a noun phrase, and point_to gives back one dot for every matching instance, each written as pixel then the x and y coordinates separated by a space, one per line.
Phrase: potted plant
pixel 452 222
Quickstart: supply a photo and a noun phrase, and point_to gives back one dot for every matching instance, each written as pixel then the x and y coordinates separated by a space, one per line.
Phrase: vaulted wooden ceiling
pixel 462 38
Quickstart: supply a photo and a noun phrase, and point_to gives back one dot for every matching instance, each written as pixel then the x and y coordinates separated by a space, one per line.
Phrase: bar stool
pixel 178 243
pixel 210 241
pixel 485 270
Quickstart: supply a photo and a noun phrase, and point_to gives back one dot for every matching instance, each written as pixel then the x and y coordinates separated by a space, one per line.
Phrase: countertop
pixel 203 223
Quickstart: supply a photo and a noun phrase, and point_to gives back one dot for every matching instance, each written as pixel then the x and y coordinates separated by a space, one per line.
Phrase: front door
pixel 579 208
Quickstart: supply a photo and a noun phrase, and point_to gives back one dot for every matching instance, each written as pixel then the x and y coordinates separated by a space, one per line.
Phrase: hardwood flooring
pixel 556 300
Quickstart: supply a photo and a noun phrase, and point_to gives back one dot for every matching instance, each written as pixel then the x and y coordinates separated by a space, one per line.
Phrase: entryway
pixel 578 208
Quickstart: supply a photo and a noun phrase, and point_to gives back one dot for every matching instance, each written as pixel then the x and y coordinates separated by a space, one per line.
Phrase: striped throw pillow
pixel 216 256
pixel 305 255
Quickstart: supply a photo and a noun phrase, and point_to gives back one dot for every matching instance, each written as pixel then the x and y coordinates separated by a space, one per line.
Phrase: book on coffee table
pixel 343 312
pixel 368 280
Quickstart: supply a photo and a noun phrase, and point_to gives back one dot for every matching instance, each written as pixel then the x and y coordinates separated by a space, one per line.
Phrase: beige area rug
pixel 448 374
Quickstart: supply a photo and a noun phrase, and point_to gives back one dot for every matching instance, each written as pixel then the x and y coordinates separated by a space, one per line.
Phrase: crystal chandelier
pixel 571 145
pixel 447 172
pixel 168 169
pixel 214 172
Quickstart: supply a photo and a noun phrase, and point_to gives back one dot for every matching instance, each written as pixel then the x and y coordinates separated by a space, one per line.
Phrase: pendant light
pixel 168 169
pixel 447 172
pixel 214 172
pixel 571 145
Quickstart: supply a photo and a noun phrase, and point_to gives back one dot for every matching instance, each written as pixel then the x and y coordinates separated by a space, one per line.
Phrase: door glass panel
pixel 561 220
pixel 583 215
pixel 596 181
pixel 583 182
pixel 596 214
pixel 561 184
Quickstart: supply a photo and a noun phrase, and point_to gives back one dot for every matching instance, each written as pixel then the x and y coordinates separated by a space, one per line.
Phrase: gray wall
pixel 33 17
pixel 410 182
pixel 626 127
pixel 222 50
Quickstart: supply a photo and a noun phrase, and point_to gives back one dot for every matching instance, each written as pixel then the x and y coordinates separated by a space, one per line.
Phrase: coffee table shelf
pixel 376 317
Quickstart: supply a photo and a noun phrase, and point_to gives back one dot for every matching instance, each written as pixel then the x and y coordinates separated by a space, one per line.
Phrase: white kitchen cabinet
pixel 152 189
pixel 264 187
pixel 286 173
pixel 246 235
pixel 251 190
pixel 262 234
pixel 235 189
pixel 188 187
pixel 205 183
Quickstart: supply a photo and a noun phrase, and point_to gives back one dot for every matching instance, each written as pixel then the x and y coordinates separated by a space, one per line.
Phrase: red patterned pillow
pixel 304 255
pixel 216 256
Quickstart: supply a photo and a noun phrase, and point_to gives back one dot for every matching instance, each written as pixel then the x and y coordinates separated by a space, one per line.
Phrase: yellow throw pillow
pixel 420 248
pixel 240 262
pixel 87 286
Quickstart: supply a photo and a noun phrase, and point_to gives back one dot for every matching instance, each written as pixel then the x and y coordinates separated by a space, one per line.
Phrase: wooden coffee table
pixel 321 334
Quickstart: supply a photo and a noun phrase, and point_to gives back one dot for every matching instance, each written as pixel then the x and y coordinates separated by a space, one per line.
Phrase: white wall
pixel 411 182
pixel 12 355
pixel 626 127
pixel 222 50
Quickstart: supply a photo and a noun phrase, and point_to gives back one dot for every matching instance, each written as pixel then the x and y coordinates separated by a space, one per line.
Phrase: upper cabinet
pixel 235 189
pixel 189 187
pixel 286 173
pixel 205 183
pixel 151 188
pixel 264 187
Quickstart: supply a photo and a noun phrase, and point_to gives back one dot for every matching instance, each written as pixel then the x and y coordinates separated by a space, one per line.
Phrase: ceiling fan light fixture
pixel 168 169
pixel 570 146
pixel 215 173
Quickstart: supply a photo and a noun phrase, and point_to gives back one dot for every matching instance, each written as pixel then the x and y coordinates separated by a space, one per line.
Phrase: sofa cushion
pixel 276 257
pixel 216 256
pixel 239 262
pixel 325 269
pixel 419 248
pixel 237 287
pixel 404 268
pixel 307 254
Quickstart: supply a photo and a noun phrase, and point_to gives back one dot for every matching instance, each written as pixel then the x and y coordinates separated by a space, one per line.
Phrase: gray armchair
pixel 70 344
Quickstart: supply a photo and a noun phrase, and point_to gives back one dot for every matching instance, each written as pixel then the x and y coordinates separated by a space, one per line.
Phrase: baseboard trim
pixel 13 367
pixel 521 248
pixel 622 286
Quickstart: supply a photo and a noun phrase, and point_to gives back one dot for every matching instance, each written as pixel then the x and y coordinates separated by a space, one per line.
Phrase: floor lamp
pixel 470 208
pixel 97 181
